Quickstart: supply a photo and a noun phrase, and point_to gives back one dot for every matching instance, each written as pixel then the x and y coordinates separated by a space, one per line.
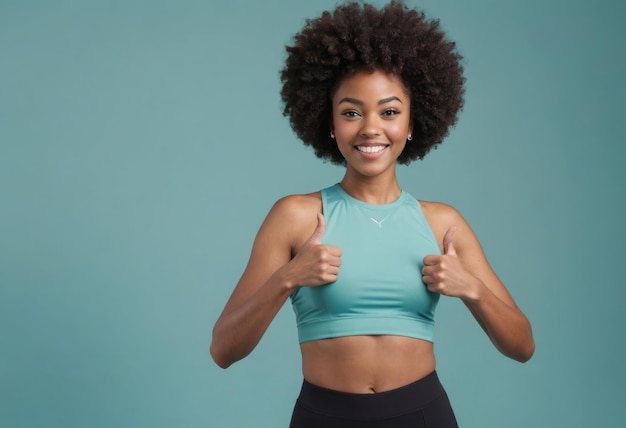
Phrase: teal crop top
pixel 379 289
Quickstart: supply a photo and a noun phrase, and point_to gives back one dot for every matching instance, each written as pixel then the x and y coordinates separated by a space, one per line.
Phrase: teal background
pixel 142 144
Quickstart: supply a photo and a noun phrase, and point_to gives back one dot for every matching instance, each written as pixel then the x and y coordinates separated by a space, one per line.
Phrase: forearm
pixel 237 332
pixel 506 325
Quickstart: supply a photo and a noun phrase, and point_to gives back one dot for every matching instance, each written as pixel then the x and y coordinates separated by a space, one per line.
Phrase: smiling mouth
pixel 371 149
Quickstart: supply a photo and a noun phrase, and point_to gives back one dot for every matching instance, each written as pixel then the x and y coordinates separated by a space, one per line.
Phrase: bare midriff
pixel 366 364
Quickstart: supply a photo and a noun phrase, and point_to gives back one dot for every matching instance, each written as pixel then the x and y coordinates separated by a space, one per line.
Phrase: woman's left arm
pixel 462 271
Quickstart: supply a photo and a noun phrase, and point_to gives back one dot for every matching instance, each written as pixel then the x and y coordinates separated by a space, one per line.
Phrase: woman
pixel 363 262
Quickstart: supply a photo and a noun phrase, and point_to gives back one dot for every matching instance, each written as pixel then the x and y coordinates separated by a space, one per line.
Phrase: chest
pixel 382 259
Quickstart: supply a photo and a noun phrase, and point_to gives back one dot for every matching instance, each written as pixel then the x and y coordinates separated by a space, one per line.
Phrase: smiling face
pixel 371 121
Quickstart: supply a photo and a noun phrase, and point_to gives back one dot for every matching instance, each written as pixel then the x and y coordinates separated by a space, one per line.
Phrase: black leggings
pixel 422 404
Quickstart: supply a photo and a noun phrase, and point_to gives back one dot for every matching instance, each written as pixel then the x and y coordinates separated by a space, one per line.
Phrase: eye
pixel 390 112
pixel 350 114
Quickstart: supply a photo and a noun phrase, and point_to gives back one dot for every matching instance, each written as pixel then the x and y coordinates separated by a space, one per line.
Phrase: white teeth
pixel 370 149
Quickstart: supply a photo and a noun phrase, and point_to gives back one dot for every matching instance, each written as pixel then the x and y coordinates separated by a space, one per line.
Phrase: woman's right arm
pixel 272 274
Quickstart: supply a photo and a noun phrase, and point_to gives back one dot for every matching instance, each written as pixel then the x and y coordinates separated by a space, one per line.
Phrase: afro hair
pixel 354 37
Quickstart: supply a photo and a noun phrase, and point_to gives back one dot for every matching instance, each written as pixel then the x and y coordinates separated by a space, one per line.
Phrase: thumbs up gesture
pixel 315 263
pixel 445 273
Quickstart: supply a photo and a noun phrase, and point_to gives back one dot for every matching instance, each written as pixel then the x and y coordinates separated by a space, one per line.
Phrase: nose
pixel 371 126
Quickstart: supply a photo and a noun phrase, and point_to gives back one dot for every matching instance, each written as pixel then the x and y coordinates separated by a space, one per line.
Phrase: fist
pixel 445 273
pixel 315 263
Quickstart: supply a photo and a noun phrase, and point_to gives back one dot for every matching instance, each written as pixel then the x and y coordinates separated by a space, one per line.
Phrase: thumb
pixel 316 237
pixel 448 244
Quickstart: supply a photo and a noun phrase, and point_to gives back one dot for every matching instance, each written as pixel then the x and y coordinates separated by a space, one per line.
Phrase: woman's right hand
pixel 315 263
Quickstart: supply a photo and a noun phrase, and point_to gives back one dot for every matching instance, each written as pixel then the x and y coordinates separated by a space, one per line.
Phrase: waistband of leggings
pixel 411 397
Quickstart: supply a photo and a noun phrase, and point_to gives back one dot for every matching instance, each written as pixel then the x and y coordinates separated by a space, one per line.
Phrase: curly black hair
pixel 355 37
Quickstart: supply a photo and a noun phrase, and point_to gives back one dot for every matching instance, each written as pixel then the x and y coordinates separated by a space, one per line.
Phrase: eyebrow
pixel 360 103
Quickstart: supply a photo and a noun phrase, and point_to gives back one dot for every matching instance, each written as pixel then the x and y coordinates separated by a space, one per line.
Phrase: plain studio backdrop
pixel 142 144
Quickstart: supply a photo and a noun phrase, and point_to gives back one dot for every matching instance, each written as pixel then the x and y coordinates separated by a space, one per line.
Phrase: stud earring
pixel 410 137
pixel 332 135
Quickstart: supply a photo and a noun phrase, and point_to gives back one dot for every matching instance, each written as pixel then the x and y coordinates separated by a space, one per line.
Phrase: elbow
pixel 219 350
pixel 525 353
pixel 224 351
pixel 520 351
pixel 218 357
pixel 219 354
pixel 525 346
pixel 529 352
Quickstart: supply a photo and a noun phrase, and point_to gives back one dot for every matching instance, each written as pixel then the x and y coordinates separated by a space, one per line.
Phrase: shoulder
pixel 441 217
pixel 440 214
pixel 294 207
pixel 293 218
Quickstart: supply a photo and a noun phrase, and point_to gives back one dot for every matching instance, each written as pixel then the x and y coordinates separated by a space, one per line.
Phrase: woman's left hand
pixel 446 275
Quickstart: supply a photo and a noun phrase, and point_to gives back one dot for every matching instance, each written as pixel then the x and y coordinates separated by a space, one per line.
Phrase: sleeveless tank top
pixel 379 289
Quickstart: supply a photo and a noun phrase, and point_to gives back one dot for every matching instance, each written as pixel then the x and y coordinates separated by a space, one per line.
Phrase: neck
pixel 373 190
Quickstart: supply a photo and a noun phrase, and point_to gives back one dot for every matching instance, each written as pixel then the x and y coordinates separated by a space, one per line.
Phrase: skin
pixel 371 124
